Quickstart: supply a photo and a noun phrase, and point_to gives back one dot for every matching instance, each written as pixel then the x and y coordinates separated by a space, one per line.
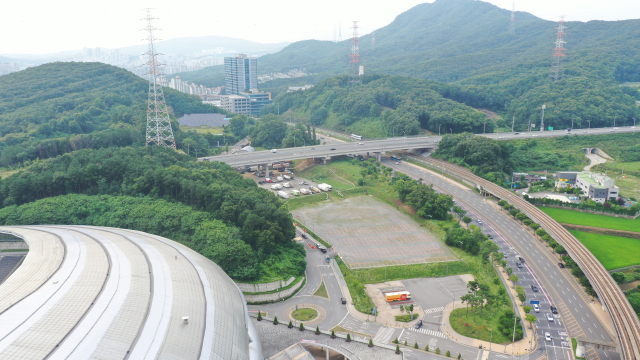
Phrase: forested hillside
pixel 382 106
pixel 465 42
pixel 207 205
pixel 55 108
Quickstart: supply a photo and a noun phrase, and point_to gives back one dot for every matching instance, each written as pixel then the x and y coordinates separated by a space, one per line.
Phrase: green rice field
pixel 586 219
pixel 613 252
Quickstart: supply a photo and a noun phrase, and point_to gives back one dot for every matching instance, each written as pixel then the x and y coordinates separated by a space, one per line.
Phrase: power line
pixel 159 130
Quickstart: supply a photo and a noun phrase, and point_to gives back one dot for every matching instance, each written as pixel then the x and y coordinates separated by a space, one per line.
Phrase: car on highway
pixel 561 265
pixel 519 265
pixel 419 324
pixel 313 148
pixel 274 150
pixel 332 149
pixel 516 133
pixel 305 236
pixel 536 308
pixel 535 135
pixel 534 288
pixel 549 317
pixel 479 221
pixel 343 300
pixel 554 309
pixel 547 336
pixel 612 130
pixel 491 237
pixel 361 143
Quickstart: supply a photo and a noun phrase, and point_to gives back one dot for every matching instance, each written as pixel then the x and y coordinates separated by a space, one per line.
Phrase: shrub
pixel 448 353
pixel 290 324
pixel 405 343
pixel 259 316
pixel 466 324
pixel 275 320
pixel 459 356
pixel 317 330
pixel 370 342
pixel 438 350
pixel 426 348
pixel 348 337
pixel 333 334
pixel 301 326
pixel 397 349
pixel 395 341
pixel 416 346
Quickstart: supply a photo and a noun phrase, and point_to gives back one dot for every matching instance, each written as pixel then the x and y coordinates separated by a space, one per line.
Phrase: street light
pixel 614 121
pixel 451 131
pixel 484 129
pixel 589 121
pixel 634 122
pixel 490 339
pixel 439 129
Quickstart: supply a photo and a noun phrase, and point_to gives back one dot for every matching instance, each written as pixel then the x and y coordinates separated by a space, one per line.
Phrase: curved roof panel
pixel 88 292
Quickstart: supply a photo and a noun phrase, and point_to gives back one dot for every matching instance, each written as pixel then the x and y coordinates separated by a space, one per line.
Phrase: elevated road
pixel 383 145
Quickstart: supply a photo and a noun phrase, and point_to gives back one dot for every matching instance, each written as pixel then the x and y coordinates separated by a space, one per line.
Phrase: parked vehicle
pixel 268 180
pixel 305 236
pixel 328 260
pixel 561 265
pixel 295 192
pixel 279 178
pixel 343 300
pixel 305 191
pixel 287 177
pixel 314 189
pixel 321 248
pixel 287 185
pixel 397 296
pixel 325 187
pixel 273 150
pixel 303 183
pixel 276 187
pixel 283 194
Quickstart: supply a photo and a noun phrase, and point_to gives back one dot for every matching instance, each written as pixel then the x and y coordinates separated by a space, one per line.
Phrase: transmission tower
pixel 355 70
pixel 373 38
pixel 335 34
pixel 159 130
pixel 339 31
pixel 512 25
pixel 557 70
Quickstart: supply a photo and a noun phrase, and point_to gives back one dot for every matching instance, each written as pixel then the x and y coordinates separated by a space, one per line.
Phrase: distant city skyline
pixel 70 25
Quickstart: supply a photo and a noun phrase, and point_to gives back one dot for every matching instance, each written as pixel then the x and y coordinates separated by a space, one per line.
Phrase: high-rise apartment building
pixel 240 74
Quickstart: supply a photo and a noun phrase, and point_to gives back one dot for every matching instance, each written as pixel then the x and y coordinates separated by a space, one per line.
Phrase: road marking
pixel 430 332
pixel 429 311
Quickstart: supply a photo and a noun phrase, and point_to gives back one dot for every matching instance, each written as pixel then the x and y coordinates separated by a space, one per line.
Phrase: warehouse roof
pixel 104 293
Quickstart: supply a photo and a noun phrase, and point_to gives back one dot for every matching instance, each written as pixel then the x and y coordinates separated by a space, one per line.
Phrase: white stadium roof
pixel 87 292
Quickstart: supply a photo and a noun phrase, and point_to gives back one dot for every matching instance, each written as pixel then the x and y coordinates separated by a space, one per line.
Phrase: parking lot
pixel 369 233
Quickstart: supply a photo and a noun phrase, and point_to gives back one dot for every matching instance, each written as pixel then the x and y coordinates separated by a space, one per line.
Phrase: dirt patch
pixel 490 114
pixel 305 164
pixel 602 231
pixel 406 208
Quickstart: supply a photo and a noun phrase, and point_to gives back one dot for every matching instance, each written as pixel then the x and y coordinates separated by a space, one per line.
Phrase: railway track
pixel 624 318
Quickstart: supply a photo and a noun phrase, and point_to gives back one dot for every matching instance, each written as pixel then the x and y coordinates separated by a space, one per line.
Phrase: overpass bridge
pixel 380 146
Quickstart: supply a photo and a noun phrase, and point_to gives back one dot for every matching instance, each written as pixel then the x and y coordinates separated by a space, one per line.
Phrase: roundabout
pixel 307 313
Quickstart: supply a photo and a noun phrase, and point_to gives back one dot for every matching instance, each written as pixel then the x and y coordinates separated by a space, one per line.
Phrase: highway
pixel 556 286
pixel 382 145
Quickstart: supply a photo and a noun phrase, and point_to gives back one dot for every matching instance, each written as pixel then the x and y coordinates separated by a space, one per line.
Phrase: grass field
pixel 613 252
pixel 322 291
pixel 478 328
pixel 626 175
pixel 304 314
pixel 586 219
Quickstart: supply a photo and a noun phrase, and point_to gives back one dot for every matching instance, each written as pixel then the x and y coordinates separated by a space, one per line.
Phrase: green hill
pixel 60 107
pixel 465 42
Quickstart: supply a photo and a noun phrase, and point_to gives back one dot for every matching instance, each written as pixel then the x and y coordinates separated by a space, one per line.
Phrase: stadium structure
pixel 86 292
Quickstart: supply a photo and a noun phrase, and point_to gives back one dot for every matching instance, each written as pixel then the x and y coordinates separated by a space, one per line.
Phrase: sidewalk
pixel 520 347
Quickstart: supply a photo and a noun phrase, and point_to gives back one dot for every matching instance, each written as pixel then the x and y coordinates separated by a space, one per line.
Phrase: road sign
pixel 374 311
pixel 550 128
pixel 534 302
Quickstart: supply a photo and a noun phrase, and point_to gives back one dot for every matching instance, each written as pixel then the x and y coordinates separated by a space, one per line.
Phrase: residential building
pixel 530 178
pixel 597 187
pixel 240 74
pixel 236 104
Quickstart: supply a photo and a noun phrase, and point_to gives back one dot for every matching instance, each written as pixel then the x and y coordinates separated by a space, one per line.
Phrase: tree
pixel 405 343
pixel 396 341
pixel 514 212
pixel 402 309
pixel 448 353
pixel 426 348
pixel 514 278
pixel 275 320
pixel 531 319
pixel 618 277
pixel 348 337
pixel 527 222
pixel 301 326
pixel 291 325
pixel 259 316
pixel 509 271
pixel 521 216
pixel 534 226
pixel 527 309
pixel 502 203
pixel 466 220
pixel 559 249
pixel 416 346
pixel 541 232
pixel 317 330
pixel 370 342
pixel 333 334
pixel 397 349
pixel 458 211
pixel 438 350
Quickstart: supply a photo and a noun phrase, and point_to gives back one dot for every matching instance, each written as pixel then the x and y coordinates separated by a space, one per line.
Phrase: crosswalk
pixel 430 332
pixel 429 311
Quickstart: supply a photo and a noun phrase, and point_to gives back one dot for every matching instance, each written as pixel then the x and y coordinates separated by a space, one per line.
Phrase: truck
pixel 276 187
pixel 283 194
pixel 314 189
pixel 287 177
pixel 305 191
pixel 279 178
pixel 287 185
pixel 325 187
pixel 295 192
pixel 397 296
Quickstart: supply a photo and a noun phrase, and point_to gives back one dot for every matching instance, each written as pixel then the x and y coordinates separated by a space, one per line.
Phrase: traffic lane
pixel 429 337
pixel 590 324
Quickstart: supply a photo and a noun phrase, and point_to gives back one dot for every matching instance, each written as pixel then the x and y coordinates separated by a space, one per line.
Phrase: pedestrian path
pixel 438 309
pixel 430 332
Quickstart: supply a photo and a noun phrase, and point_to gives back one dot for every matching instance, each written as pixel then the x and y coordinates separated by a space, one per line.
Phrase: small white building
pixel 597 187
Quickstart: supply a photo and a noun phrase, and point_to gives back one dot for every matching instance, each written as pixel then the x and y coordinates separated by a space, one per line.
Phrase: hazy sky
pixel 51 26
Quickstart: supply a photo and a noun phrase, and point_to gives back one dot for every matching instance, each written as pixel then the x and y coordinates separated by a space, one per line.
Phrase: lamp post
pixel 634 122
pixel 439 129
pixel 484 128
pixel 490 339
pixel 393 131
pixel 589 121
pixel 451 131
pixel 542 120
pixel 614 121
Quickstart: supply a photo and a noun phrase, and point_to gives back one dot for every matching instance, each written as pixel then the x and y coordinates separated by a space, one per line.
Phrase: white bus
pixel 357 137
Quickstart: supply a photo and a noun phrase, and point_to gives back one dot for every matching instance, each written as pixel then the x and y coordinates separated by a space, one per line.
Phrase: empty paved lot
pixel 368 233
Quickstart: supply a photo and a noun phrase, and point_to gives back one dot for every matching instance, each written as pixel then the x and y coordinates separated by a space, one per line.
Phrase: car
pixel 611 130
pixel 268 180
pixel 549 317
pixel 536 308
pixel 547 336
pixel 519 265
pixel 516 133
pixel 321 137
pixel 491 237
pixel 305 236
pixel 313 148
pixel 479 221
pixel 343 300
pixel 534 288
pixel 419 324
pixel 535 135
pixel 521 259
pixel 274 150
pixel 361 143
pixel 554 309
pixel 332 149
pixel 561 265
pixel 397 163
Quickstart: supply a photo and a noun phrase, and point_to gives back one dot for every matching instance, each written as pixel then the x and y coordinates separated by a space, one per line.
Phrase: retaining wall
pixel 274 296
pixel 264 287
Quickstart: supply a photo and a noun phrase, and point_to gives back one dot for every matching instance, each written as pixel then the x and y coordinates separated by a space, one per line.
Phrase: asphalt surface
pixel 556 286
pixel 390 144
